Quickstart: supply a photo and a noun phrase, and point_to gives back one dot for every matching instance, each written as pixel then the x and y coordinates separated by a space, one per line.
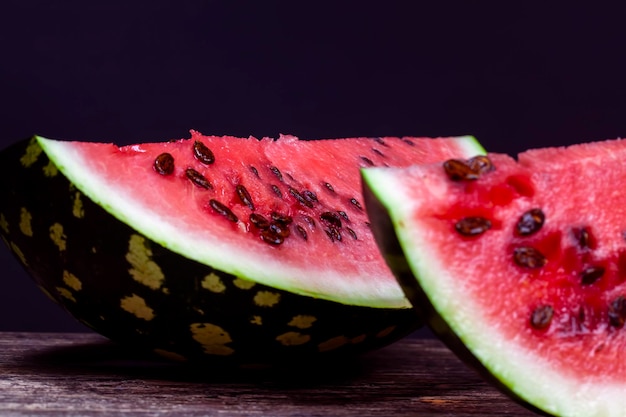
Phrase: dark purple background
pixel 516 76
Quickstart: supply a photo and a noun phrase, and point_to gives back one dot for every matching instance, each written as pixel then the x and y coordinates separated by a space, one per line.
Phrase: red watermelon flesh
pixel 522 270
pixel 286 213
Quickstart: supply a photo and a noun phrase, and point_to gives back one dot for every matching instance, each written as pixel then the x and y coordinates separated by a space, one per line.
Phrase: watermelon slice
pixel 520 266
pixel 255 250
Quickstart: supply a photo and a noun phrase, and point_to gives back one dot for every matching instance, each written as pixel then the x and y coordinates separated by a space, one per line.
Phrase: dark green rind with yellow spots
pixel 134 291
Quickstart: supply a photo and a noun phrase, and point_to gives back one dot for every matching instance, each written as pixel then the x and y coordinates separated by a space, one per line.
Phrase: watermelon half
pixel 520 266
pixel 243 250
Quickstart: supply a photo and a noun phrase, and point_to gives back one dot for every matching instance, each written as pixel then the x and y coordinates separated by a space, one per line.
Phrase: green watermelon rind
pixel 456 318
pixel 216 254
pixel 134 291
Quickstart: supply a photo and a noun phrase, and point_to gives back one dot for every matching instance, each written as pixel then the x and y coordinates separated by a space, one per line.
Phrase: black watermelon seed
pixel 281 218
pixel 356 203
pixel 481 164
pixel 528 257
pixel 259 221
pixel 203 153
pixel 223 210
pixel 333 234
pixel 329 187
pixel 377 152
pixel 617 311
pixel 254 171
pixel 367 160
pixel 472 226
pixel 280 229
pixel 295 194
pixel 269 237
pixel 591 274
pixel 302 232
pixel 458 170
pixel 331 219
pixel 408 141
pixel 352 233
pixel 244 196
pixel 380 141
pixel 164 164
pixel 344 215
pixel 277 191
pixel 277 173
pixel 530 222
pixel 310 196
pixel 541 317
pixel 584 237
pixel 198 179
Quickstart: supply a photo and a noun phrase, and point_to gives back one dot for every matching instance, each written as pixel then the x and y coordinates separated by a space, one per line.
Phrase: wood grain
pixel 73 374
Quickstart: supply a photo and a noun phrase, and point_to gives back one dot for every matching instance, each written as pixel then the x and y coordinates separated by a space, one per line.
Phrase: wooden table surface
pixel 55 374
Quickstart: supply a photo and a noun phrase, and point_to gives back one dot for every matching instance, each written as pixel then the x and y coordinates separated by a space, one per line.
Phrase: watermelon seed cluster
pixel 529 257
pixel 275 230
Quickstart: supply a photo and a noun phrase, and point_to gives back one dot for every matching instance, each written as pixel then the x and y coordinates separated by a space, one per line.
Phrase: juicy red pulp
pixel 272 198
pixel 270 227
pixel 564 282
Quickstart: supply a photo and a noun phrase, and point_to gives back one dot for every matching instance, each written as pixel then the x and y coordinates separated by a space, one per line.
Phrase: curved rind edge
pixel 381 205
pixel 92 277
pixel 246 266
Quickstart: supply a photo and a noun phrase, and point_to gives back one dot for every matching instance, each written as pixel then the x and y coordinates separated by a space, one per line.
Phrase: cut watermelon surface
pixel 521 269
pixel 221 245
pixel 315 187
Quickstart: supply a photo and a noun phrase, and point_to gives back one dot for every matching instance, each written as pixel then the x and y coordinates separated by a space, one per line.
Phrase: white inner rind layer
pixel 528 375
pixel 362 289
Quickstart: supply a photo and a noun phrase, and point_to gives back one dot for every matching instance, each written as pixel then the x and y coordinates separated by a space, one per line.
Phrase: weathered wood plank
pixel 83 374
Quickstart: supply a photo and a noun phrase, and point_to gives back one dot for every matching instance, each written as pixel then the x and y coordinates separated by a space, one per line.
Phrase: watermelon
pixel 237 250
pixel 519 266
